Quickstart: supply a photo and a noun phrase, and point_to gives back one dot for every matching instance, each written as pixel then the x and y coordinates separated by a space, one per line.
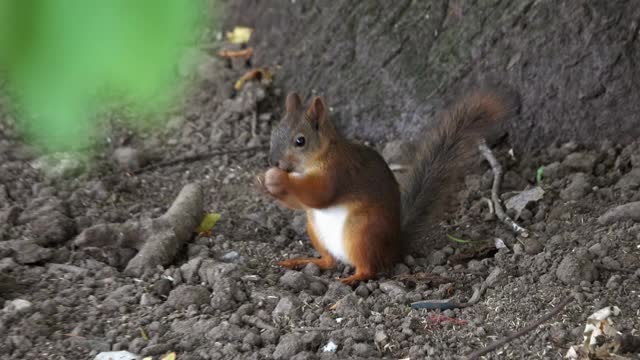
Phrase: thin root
pixel 495 191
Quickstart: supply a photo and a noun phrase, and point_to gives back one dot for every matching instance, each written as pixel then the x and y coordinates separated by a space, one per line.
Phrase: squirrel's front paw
pixel 275 180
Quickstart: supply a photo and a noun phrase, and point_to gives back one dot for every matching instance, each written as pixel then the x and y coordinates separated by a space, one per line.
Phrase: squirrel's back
pixel 444 154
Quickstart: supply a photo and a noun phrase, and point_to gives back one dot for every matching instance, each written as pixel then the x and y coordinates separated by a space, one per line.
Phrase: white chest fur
pixel 329 226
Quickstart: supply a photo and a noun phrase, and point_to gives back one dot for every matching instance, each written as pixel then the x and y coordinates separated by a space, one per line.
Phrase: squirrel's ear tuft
pixel 317 112
pixel 293 103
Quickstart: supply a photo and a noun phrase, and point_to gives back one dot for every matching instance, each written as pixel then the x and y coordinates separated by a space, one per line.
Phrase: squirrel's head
pixel 301 135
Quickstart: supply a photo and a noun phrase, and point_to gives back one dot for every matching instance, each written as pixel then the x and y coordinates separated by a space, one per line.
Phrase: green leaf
pixel 539 175
pixel 208 222
pixel 62 58
pixel 461 241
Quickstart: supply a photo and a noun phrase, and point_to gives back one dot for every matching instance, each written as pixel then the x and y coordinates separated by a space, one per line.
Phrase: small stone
pixel 572 270
pixel 156 349
pixel 577 188
pixel 17 306
pixel 289 307
pixel 59 165
pixel 598 250
pixel 494 277
pixel 270 336
pixel 401 269
pixel 518 249
pixel 252 339
pixel 330 347
pixel 26 252
pixel 162 287
pixel 312 340
pixel 553 171
pixel 614 282
pixel 311 269
pixel 580 161
pixel 438 257
pixel 350 307
pixel 225 294
pixel 7 264
pixel 476 265
pixel 189 270
pixel 148 300
pixel 288 346
pixel 52 229
pixel 409 260
pixel 231 256
pixel 392 288
pixel 380 337
pixel 362 291
pixel 10 215
pixel 185 295
pixel 115 355
pixel 215 273
pixel 336 290
pixel 294 280
pixel 630 181
pixel 128 158
pixel 362 349
pixel 317 288
pixel 533 246
pixel 629 211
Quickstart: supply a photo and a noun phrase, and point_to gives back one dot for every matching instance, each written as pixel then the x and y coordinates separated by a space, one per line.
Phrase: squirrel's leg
pixel 368 245
pixel 325 262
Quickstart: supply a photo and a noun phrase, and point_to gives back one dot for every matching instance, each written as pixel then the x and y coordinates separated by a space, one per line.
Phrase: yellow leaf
pixel 147 358
pixel 169 356
pixel 208 222
pixel 144 334
pixel 239 35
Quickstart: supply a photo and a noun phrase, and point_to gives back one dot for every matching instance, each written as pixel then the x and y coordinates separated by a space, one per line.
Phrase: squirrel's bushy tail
pixel 442 157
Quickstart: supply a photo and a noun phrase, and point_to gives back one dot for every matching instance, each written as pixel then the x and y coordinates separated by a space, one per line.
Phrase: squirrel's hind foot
pixel 357 277
pixel 298 263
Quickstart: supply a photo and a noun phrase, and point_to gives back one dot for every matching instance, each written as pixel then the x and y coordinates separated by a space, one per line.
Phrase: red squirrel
pixel 356 211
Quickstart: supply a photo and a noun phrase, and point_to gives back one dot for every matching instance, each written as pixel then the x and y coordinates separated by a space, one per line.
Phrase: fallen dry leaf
pixel 261 74
pixel 239 35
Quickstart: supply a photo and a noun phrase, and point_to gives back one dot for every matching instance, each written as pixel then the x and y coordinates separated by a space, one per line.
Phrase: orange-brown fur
pixel 340 173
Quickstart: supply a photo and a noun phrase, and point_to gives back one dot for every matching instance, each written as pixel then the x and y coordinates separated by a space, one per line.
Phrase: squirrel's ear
pixel 293 102
pixel 317 112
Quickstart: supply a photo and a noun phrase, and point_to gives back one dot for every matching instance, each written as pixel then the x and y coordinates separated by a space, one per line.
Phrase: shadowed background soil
pixel 386 66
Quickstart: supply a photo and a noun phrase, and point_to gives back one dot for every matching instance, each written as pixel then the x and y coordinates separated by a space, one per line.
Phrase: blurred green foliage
pixel 59 55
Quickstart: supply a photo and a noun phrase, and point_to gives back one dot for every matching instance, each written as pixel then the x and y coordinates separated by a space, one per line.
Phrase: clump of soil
pixel 223 297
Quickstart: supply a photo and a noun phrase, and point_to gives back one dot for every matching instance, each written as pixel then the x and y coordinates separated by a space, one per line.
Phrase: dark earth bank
pixel 386 66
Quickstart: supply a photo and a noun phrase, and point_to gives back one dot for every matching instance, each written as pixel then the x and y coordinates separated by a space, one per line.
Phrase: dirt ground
pixel 223 297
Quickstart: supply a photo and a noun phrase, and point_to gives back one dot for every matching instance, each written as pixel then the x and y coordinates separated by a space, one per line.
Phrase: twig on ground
pixel 495 345
pixel 495 190
pixel 398 167
pixel 157 240
pixel 617 269
pixel 196 157
pixel 478 290
pixel 257 322
pixel 318 328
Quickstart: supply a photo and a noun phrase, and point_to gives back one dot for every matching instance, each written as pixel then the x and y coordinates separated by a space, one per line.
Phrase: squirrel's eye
pixel 300 141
